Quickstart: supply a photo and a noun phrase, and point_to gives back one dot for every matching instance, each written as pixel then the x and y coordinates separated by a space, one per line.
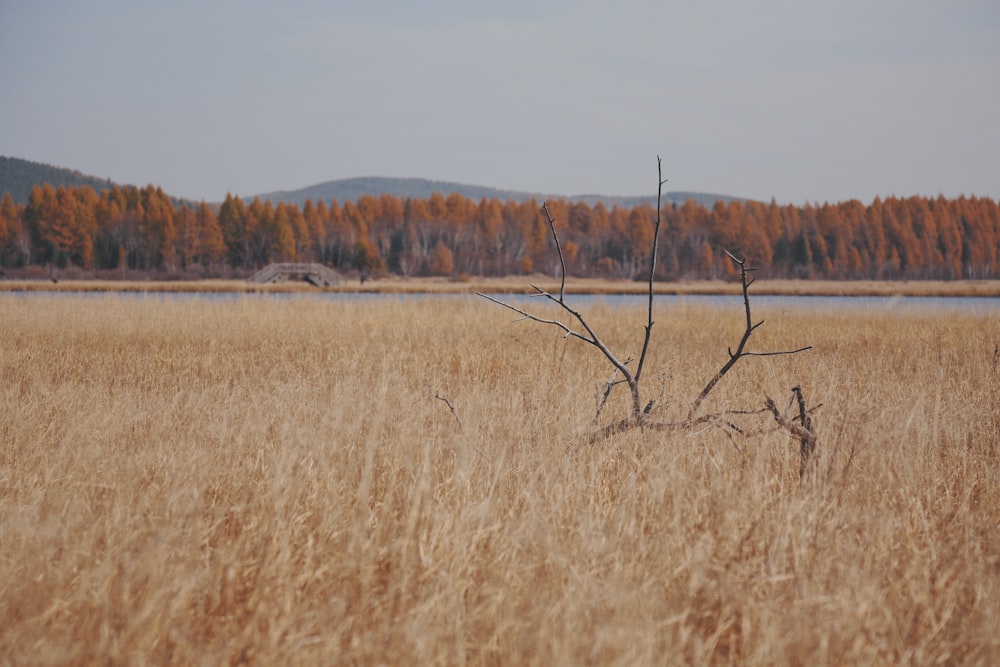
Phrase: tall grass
pixel 274 482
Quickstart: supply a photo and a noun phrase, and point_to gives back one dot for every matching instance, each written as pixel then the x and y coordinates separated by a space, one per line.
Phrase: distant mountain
pixel 18 177
pixel 349 189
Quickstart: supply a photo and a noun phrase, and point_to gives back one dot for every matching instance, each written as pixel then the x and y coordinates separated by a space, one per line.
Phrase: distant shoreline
pixel 522 285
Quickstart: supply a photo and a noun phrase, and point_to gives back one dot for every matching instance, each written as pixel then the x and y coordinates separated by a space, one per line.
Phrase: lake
pixel 979 305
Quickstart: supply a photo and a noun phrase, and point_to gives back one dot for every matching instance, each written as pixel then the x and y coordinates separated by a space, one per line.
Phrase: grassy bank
pixel 522 284
pixel 279 482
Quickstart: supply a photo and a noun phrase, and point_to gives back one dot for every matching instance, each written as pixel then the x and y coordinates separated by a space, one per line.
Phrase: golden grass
pixel 272 482
pixel 521 285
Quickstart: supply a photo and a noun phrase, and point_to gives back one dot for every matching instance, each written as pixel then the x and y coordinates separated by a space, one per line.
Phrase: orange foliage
pixel 913 238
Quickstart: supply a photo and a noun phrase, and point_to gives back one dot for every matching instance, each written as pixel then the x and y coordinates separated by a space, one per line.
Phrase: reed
pixel 277 482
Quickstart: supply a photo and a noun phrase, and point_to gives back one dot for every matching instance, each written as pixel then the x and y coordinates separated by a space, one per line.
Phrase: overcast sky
pixel 800 100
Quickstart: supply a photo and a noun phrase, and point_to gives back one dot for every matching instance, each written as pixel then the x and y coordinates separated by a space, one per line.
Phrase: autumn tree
pixel 489 218
pixel 115 237
pixel 980 227
pixel 874 240
pixel 598 237
pixel 437 208
pixel 279 239
pixel 185 236
pixel 338 249
pixel 387 230
pixel 199 239
pixel 513 240
pixel 157 229
pixel 313 216
pixel 259 234
pixel 949 239
pixel 233 223
pixel 211 245
pixel 302 242
pixel 6 220
pixel 61 231
pixel 690 234
pixel 10 231
pixel 127 227
pixel 638 237
pixel 441 262
pixel 365 255
pixel 38 219
pixel 416 238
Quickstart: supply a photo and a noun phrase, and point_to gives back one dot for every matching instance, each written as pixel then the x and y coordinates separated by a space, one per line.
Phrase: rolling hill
pixel 349 189
pixel 18 176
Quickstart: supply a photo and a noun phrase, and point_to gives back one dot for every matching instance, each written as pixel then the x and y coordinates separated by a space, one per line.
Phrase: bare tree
pixel 629 375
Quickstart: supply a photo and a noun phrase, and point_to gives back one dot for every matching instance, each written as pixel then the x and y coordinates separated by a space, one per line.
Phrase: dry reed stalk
pixel 270 482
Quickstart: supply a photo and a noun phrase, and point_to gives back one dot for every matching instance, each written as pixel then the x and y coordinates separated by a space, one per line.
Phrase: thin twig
pixel 602 396
pixel 741 352
pixel 534 318
pixel 442 397
pixel 652 267
pixel 562 262
pixel 632 380
pixel 808 443
pixel 785 423
pixel 803 430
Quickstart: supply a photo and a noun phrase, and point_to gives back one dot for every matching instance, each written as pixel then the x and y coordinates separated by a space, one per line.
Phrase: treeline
pixel 141 229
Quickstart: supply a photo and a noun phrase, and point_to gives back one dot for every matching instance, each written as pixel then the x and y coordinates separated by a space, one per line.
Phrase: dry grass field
pixel 273 481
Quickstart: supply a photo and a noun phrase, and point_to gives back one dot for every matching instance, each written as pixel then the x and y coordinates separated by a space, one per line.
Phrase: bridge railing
pixel 317 274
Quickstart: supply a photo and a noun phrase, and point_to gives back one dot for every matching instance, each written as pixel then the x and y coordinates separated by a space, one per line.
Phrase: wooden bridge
pixel 316 274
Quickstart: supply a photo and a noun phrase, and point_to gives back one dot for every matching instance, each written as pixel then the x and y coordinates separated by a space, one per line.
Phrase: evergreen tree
pixel 233 223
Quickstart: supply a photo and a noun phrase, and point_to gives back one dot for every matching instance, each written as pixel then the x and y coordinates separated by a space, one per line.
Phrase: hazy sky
pixel 800 100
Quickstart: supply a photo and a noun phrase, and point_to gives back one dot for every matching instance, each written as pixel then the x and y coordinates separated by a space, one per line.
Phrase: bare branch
pixel 641 416
pixel 808 443
pixel 803 430
pixel 562 262
pixel 593 339
pixel 741 348
pixel 442 397
pixel 534 318
pixel 715 419
pixel 652 267
pixel 777 354
pixel 602 396
pixel 783 421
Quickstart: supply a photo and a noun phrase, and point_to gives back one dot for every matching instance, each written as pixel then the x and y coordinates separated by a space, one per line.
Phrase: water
pixel 977 305
pixel 773 302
